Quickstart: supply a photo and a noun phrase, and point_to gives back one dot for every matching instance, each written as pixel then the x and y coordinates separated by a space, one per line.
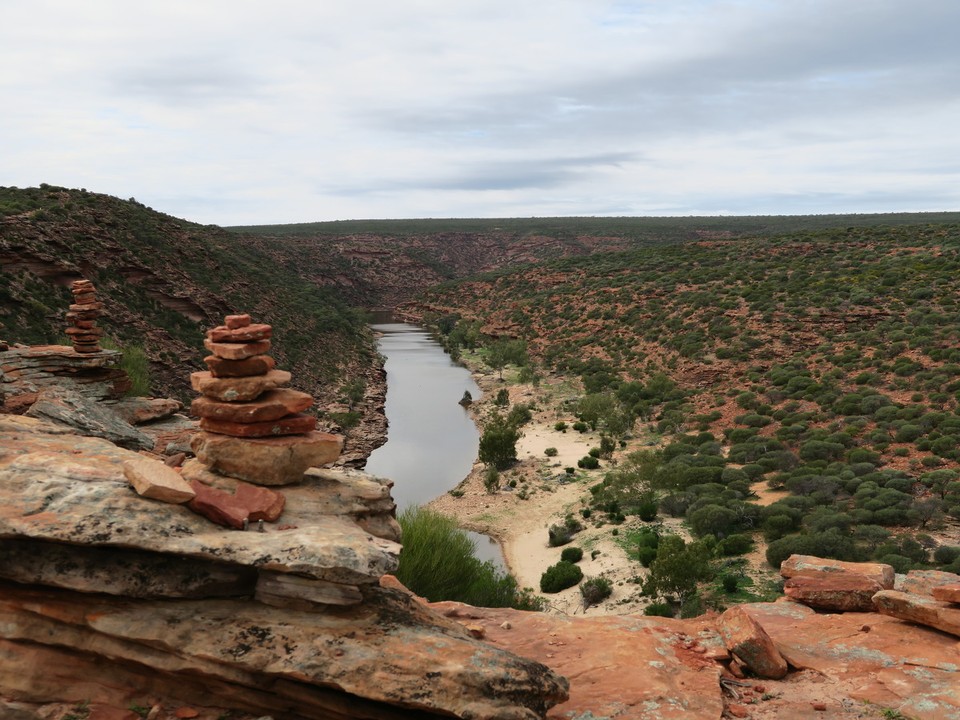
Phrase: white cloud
pixel 242 112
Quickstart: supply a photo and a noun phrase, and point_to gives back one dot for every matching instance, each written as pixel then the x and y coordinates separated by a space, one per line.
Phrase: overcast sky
pixel 243 111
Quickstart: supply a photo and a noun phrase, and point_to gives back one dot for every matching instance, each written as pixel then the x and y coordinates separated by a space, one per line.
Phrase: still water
pixel 431 441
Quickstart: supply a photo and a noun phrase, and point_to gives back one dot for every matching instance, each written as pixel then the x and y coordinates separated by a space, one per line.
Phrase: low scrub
pixel 560 577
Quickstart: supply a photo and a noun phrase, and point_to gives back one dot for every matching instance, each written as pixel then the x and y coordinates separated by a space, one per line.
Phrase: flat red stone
pixel 250 333
pixel 248 502
pixel 256 365
pixel 947 593
pixel 236 321
pixel 290 425
pixel 271 405
pixel 236 351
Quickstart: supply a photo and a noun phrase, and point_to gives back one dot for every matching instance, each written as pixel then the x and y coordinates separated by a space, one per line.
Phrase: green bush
pixel 550 452
pixel 571 555
pixel 730 583
pixel 437 562
pixel 560 577
pixel 580 426
pixel 588 462
pixel 595 590
pixel 660 609
pixel 503 398
pixel 560 426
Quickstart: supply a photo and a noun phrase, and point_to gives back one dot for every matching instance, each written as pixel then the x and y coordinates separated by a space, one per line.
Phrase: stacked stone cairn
pixel 253 428
pixel 82 318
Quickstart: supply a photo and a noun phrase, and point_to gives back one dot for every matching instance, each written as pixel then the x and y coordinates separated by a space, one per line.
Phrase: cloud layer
pixel 244 112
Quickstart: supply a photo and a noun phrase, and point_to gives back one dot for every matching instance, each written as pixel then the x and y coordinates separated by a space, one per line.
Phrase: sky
pixel 243 112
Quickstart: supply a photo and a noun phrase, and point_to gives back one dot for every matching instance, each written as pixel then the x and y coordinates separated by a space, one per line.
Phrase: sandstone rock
pixel 622 666
pixel 256 365
pixel 247 502
pixel 69 408
pixel 833 591
pixel 922 582
pixel 266 461
pixel 236 321
pixel 271 405
pixel 947 593
pixel 299 424
pixel 66 488
pixel 238 389
pixel 237 351
pixel 919 609
pixel 745 638
pixel 139 410
pixel 386 659
pixel 797 564
pixel 294 592
pixel 119 571
pixel 869 657
pixel 245 334
pixel 153 479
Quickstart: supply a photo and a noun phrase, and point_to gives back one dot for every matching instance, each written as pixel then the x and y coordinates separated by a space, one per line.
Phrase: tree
pixel 498 444
pixel 677 569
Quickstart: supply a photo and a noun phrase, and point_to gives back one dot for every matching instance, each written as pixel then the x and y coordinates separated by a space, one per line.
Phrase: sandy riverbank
pixel 519 517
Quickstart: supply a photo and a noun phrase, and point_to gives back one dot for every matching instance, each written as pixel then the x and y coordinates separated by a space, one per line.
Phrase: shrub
pixel 595 590
pixel 503 398
pixel 550 452
pixel 498 444
pixel 560 577
pixel 736 544
pixel 572 555
pixel 580 426
pixel 437 562
pixel 560 426
pixel 730 583
pixel 661 609
pixel 491 479
pixel 588 462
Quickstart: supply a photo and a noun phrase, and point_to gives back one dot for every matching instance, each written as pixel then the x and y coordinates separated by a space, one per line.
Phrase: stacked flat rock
pixel 82 318
pixel 254 427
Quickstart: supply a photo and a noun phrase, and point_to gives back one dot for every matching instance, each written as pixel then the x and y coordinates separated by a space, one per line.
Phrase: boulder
pixel 833 591
pixel 155 480
pixel 919 609
pixel 947 593
pixel 797 564
pixel 245 334
pixel 923 582
pixel 139 410
pixel 745 638
pixel 266 461
pixel 236 321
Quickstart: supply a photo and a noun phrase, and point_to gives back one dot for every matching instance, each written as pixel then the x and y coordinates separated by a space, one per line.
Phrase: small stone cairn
pixel 253 428
pixel 82 318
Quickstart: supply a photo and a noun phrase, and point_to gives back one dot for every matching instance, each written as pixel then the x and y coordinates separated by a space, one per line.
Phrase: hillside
pixel 824 364
pixel 164 282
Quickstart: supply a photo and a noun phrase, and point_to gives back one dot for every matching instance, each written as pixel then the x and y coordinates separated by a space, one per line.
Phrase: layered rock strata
pixel 110 597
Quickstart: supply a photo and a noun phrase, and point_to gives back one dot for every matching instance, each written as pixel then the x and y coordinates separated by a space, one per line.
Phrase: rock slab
pixel 745 638
pixel 155 480
pixel 266 461
pixel 881 573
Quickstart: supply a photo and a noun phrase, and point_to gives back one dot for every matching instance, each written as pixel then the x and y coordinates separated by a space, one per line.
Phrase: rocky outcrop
pixel 108 597
pixel 939 614
pixel 881 573
pixel 25 370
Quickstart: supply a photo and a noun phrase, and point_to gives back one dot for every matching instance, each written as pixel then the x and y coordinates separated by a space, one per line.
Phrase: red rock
pixel 77 331
pixel 87 349
pixel 919 609
pixel 184 713
pixel 833 591
pixel 738 711
pixel 744 637
pixel 947 593
pixel 82 314
pixel 175 460
pixel 266 461
pixel 88 324
pixel 271 405
pixel 237 351
pixel 84 298
pixel 289 425
pixel 99 711
pixel 922 582
pixel 797 564
pixel 86 307
pixel 256 365
pixel 819 706
pixel 250 333
pixel 237 389
pixel 236 321
pixel 248 502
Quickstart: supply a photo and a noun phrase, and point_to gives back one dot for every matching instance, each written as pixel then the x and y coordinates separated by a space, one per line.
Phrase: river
pixel 431 440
